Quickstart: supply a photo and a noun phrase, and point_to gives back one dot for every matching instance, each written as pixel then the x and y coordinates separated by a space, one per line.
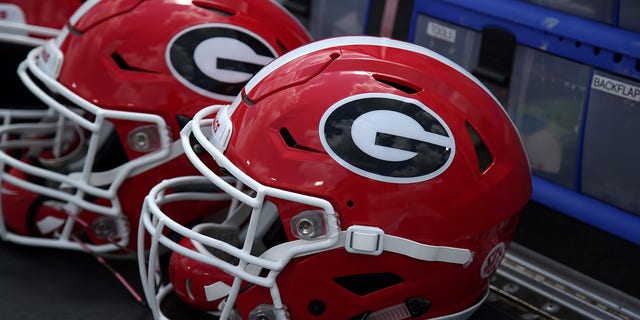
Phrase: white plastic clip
pixel 364 240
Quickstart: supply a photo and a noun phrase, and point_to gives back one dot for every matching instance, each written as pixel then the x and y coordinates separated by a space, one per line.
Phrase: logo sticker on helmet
pixel 217 60
pixel 492 260
pixel 387 138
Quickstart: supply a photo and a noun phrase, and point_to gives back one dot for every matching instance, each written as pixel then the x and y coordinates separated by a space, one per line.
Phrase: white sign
pixel 615 87
pixel 441 32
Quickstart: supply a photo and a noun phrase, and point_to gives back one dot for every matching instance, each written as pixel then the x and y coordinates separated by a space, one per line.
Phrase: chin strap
pixel 373 241
pixel 370 241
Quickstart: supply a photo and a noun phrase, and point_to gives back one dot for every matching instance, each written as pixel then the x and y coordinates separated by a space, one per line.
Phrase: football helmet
pixel 25 24
pixel 119 81
pixel 372 179
pixel 30 23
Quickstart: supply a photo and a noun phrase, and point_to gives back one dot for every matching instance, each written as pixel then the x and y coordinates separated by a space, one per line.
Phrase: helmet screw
pixel 263 312
pixel 306 227
pixel 104 228
pixel 141 140
pixel 197 148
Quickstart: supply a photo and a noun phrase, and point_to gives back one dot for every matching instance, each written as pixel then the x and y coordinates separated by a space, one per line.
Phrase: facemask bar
pixel 25 34
pixel 155 222
pixel 246 191
pixel 74 188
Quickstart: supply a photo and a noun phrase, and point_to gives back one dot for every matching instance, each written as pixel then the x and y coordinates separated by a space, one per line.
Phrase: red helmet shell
pixel 131 66
pixel 52 13
pixel 189 286
pixel 395 137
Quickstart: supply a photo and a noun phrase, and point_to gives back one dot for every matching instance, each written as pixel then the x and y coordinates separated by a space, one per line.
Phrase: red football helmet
pixel 372 178
pixel 25 24
pixel 119 82
pixel 30 23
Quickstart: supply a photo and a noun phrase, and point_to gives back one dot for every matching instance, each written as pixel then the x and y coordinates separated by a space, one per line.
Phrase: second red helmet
pixel 117 85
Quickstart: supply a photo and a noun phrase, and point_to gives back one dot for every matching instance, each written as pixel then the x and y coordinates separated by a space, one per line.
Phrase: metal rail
pixel 530 286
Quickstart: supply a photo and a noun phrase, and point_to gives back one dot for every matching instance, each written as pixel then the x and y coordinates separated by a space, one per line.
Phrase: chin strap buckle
pixel 364 240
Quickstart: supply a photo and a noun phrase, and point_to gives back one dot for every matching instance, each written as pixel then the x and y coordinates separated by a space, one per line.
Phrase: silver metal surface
pixel 531 286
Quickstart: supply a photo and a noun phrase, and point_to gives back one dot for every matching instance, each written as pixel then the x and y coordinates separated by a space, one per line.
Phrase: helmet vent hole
pixel 363 284
pixel 282 47
pixel 187 285
pixel 350 203
pixel 246 99
pixel 396 83
pixel 290 141
pixel 214 7
pixel 288 138
pixel 122 64
pixel 485 158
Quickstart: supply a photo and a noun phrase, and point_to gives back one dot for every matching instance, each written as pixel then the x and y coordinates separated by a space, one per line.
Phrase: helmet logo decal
pixel 387 138
pixel 217 60
pixel 492 260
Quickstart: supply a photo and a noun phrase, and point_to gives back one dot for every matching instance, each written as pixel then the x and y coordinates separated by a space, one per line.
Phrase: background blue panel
pixel 604 44
pixel 590 42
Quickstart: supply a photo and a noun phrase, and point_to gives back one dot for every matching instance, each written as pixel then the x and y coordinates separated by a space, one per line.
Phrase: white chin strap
pixel 373 241
pixel 357 240
pixel 363 240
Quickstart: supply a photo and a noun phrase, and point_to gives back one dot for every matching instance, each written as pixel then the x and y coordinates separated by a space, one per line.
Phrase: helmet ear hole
pixel 350 204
